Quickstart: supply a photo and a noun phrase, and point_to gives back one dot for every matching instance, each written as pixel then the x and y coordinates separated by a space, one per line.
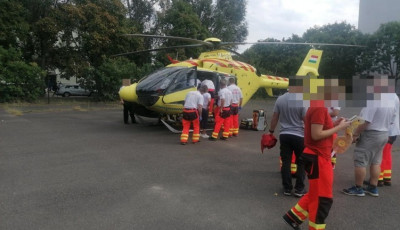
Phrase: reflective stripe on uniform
pixel 299 212
pixel 315 226
pixel 184 137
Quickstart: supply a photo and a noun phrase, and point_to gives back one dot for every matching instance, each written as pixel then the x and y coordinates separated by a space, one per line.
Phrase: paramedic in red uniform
pixel 191 114
pixel 318 141
pixel 222 112
pixel 237 99
pixel 385 177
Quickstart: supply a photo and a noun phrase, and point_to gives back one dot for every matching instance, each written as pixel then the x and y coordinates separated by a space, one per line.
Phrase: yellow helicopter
pixel 162 93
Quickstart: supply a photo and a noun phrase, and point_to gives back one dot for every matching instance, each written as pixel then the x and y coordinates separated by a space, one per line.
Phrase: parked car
pixel 73 90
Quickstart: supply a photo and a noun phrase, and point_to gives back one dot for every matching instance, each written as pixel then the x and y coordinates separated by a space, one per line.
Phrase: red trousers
pixel 186 127
pixel 386 165
pixel 219 121
pixel 315 205
pixel 293 165
pixel 234 130
pixel 211 105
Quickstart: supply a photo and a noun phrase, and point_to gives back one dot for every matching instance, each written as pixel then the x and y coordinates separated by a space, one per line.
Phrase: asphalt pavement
pixel 83 168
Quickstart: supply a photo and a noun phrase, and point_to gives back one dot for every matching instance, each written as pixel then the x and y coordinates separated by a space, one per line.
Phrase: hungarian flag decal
pixel 313 59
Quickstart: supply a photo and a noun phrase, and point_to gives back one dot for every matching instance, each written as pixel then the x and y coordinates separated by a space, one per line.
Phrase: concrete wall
pixel 373 13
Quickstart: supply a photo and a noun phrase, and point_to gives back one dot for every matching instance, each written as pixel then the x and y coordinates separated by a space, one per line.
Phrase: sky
pixel 282 18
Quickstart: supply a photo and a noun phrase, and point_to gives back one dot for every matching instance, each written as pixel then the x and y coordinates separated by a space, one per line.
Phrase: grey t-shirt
pixel 290 116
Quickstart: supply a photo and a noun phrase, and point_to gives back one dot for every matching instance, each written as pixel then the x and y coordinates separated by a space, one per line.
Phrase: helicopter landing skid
pixel 172 129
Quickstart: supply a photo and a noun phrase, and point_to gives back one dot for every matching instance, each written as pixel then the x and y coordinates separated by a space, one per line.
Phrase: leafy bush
pixel 19 81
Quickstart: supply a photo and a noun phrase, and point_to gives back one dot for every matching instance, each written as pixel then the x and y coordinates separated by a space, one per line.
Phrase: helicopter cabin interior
pixel 173 79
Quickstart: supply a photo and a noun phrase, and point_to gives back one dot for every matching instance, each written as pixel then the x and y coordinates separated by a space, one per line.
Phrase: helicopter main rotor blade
pixel 157 49
pixel 287 43
pixel 232 51
pixel 171 37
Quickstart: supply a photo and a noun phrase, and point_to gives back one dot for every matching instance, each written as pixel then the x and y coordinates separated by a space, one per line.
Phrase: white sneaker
pixel 204 136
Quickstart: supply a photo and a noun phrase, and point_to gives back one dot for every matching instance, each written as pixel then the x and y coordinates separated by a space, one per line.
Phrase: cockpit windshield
pixel 168 80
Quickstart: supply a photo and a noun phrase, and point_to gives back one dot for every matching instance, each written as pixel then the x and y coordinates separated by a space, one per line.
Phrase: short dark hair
pixel 203 88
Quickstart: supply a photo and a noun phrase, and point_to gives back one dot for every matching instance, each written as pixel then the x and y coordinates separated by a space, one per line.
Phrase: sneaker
pixel 299 194
pixel 290 222
pixel 212 139
pixel 354 191
pixel 204 136
pixel 287 192
pixel 183 143
pixel 373 191
pixel 223 138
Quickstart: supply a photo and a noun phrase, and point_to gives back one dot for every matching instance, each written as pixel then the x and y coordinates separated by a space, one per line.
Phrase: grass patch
pixel 15 112
pixel 79 108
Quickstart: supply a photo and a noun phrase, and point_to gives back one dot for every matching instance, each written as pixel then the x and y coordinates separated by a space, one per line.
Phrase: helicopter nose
pixel 128 93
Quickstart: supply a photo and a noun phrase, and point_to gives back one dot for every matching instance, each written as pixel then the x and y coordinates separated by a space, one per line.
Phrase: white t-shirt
pixel 236 93
pixel 193 99
pixel 380 114
pixel 225 94
pixel 208 83
pixel 206 98
pixel 394 129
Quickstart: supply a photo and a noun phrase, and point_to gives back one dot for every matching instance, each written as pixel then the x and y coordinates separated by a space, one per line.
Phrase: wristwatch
pixel 271 131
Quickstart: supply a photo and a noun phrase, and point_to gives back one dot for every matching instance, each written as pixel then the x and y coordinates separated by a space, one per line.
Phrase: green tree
pixel 13 25
pixel 337 61
pixel 383 52
pixel 277 60
pixel 106 79
pixel 180 20
pixel 141 12
pixel 19 81
pixel 229 20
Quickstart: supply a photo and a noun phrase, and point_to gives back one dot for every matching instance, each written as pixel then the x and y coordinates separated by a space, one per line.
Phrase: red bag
pixel 267 141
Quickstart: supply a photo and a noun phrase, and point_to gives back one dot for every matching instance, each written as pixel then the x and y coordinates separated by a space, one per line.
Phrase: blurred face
pixel 355 92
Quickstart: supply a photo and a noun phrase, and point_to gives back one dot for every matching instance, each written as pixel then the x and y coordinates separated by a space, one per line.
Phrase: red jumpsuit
pixel 315 205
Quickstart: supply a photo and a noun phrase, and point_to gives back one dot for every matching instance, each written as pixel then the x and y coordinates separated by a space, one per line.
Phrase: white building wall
pixel 373 13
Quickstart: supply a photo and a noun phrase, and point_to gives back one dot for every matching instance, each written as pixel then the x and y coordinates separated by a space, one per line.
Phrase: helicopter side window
pixel 183 80
pixel 160 80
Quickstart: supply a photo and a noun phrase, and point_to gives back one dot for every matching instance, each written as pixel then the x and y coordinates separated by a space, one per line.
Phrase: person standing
pixel 211 90
pixel 222 112
pixel 128 110
pixel 204 115
pixel 318 141
pixel 369 146
pixel 236 106
pixel 191 114
pixel 291 138
pixel 385 177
